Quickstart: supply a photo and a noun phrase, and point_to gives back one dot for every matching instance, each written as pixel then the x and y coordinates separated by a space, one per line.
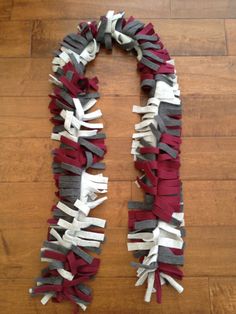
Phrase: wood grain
pixel 218 79
pixel 230 26
pixel 5 9
pixel 197 75
pixel 29 205
pixel 33 76
pixel 35 122
pixel 55 9
pixel 223 295
pixel 202 116
pixel 128 300
pixel 15 38
pixel 204 203
pixel 214 244
pixel 203 9
pixel 32 160
pixel 192 37
pixel 208 115
pixel 181 37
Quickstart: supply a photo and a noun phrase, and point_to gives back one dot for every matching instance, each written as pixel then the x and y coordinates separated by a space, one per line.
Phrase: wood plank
pixel 204 203
pixel 192 37
pixel 219 79
pixel 33 78
pixel 202 116
pixel 46 35
pixel 32 161
pixel 5 9
pixel 203 9
pixel 33 210
pixel 20 248
pixel 128 299
pixel 15 38
pixel 230 27
pixel 25 107
pixel 29 116
pixel 67 9
pixel 181 37
pixel 206 75
pixel 223 295
pixel 209 115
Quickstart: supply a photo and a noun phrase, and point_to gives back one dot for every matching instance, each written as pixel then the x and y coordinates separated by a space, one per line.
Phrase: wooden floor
pixel 201 36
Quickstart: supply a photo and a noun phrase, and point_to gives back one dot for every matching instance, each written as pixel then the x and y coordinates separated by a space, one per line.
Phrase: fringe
pixel 156 226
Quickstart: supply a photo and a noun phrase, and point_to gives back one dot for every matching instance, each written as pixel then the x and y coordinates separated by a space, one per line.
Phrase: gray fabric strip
pixel 85 289
pixel 170 121
pixel 56 53
pixel 71 168
pixel 73 193
pixel 58 118
pixel 89 157
pixel 164 78
pixel 172 152
pixel 145 224
pixel 69 185
pixel 78 38
pixel 165 255
pixel 150 64
pixel 78 300
pixel 149 199
pixel 137 265
pixel 58 128
pixel 160 124
pixel 101 30
pixel 56 265
pixel 78 66
pixel 66 45
pixel 108 41
pixel 119 24
pixel 146 37
pixel 139 205
pixel 74 44
pixel 96 250
pixel 155 132
pixel 93 148
pixel 63 106
pixel 89 36
pixel 85 256
pixel 140 253
pixel 148 82
pixel 57 213
pixel 175 222
pixel 99 166
pixel 50 280
pixel 67 97
pixel 131 28
pixel 55 247
pixel 149 54
pixel 148 45
pixel 128 46
pixel 66 178
pixel 59 72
